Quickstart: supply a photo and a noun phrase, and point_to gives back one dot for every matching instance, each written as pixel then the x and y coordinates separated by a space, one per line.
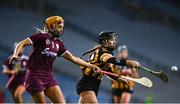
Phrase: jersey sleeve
pixel 104 57
pixel 62 49
pixel 36 38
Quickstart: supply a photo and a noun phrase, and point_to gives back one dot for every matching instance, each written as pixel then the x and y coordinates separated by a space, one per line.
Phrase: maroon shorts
pixel 14 83
pixel 16 80
pixel 37 82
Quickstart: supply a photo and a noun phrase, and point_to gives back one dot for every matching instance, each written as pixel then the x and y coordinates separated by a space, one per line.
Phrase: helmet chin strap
pixel 104 45
pixel 107 48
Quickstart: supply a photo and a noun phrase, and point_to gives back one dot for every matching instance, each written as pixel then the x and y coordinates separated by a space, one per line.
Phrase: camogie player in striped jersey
pixel 101 56
pixel 122 91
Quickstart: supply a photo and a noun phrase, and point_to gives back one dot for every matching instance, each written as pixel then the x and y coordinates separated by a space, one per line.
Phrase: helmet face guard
pixel 54 25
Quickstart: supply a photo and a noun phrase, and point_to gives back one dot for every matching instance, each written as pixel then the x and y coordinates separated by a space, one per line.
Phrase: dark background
pixel 150 29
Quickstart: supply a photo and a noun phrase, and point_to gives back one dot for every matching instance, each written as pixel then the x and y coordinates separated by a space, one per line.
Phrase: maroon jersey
pixel 19 78
pixel 44 52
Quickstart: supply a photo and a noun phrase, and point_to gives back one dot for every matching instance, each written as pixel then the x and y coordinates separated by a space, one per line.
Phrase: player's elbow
pixel 24 42
pixel 21 44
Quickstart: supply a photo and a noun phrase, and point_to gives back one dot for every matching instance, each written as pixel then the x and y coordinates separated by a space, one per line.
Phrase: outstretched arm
pixel 108 58
pixel 79 61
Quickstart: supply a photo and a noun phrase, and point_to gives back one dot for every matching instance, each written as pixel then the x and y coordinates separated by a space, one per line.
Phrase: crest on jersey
pixel 24 63
pixel 47 41
pixel 57 46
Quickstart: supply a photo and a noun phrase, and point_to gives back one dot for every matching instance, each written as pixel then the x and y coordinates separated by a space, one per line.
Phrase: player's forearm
pixel 76 60
pixel 81 62
pixel 123 62
pixel 116 61
pixel 8 71
pixel 19 46
pixel 132 63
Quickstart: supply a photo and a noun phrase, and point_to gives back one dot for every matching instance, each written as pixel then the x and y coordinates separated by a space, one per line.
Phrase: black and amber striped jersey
pixel 125 71
pixel 98 57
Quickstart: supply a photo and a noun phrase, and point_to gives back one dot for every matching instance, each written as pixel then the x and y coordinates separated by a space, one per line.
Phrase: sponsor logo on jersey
pixel 48 52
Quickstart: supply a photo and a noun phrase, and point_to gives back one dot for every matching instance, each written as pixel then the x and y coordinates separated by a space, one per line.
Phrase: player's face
pixel 112 43
pixel 57 28
pixel 123 54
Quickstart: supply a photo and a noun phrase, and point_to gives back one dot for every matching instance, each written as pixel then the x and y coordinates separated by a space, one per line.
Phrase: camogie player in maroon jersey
pixel 16 71
pixel 46 46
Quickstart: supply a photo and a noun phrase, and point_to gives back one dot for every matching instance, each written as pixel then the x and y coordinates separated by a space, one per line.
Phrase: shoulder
pixel 105 56
pixel 45 35
pixel 59 41
pixel 39 35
